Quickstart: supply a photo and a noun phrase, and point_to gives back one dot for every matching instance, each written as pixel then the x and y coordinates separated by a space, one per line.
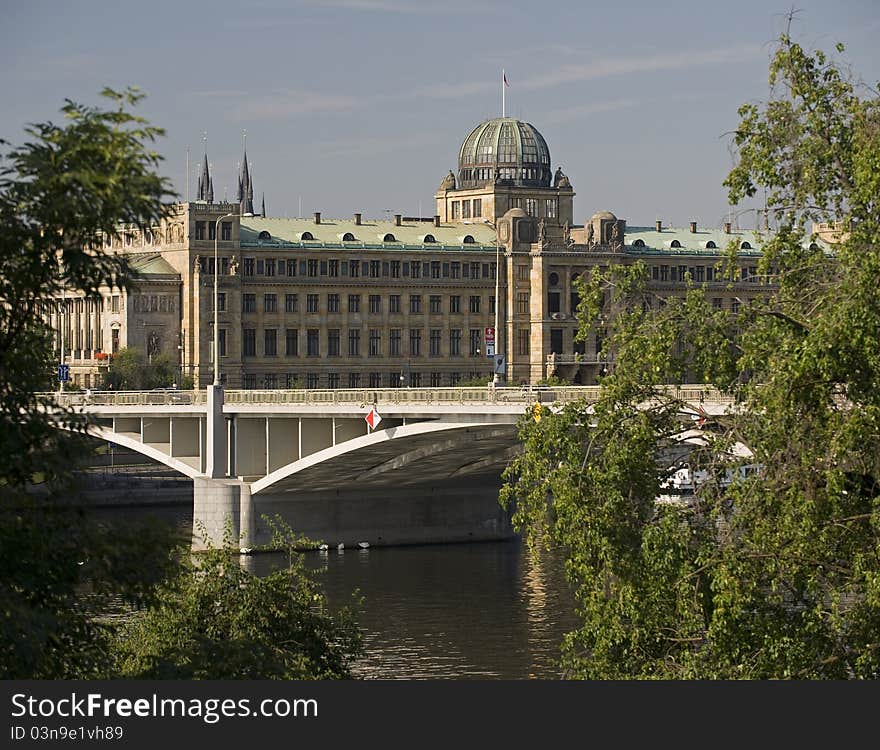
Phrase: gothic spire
pixel 206 184
pixel 263 211
pixel 246 188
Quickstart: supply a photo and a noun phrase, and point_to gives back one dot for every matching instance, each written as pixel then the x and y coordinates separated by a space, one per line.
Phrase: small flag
pixel 504 76
pixel 373 418
pixel 537 411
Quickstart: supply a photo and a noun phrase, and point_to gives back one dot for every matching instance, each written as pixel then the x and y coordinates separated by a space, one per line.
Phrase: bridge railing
pixel 363 397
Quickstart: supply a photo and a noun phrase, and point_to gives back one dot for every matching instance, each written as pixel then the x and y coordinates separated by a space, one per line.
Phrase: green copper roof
pixel 331 232
pixel 679 241
pixel 151 264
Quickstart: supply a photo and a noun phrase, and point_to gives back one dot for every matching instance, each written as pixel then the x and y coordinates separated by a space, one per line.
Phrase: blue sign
pixel 63 373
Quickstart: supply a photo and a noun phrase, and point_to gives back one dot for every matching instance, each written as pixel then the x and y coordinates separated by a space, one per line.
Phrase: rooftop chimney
pixel 726 227
pixel 658 225
pixel 436 220
pixel 357 219
pixel 317 217
pixel 397 218
pixel 693 227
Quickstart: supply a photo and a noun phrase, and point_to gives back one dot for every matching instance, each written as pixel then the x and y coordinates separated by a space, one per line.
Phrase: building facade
pixel 359 303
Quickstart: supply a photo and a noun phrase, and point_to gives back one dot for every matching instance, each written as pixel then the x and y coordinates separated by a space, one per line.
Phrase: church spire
pixel 206 184
pixel 263 211
pixel 245 186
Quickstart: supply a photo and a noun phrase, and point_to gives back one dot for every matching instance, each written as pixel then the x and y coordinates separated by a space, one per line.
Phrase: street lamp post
pixel 217 299
pixel 495 378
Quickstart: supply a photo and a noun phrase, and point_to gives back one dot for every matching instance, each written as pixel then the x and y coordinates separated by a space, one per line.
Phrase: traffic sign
pixel 63 373
pixel 490 335
pixel 373 418
pixel 500 365
pixel 490 350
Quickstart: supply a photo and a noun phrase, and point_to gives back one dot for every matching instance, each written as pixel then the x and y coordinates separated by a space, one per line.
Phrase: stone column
pixel 246 515
pixel 215 448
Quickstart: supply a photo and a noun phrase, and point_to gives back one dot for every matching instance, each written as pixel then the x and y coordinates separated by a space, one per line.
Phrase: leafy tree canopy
pixel 767 574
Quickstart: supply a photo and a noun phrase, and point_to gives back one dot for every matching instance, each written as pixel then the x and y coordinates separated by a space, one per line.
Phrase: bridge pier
pixel 221 508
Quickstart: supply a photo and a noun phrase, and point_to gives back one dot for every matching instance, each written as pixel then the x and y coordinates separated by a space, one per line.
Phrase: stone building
pixel 361 303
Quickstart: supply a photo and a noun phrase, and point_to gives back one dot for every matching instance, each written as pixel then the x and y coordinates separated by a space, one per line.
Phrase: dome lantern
pixel 507 150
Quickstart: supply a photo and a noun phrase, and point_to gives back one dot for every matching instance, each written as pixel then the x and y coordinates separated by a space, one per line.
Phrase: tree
pixel 130 371
pixel 214 620
pixel 768 574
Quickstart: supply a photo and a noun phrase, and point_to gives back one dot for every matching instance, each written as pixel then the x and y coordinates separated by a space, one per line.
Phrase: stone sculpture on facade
pixel 448 182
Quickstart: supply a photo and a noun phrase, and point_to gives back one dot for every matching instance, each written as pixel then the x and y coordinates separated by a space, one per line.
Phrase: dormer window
pixel 675 243
pixel 349 237
pixel 468 239
pixel 389 238
pixel 264 235
pixel 745 246
pixel 306 237
pixel 428 238
pixel 710 245
pixel 638 243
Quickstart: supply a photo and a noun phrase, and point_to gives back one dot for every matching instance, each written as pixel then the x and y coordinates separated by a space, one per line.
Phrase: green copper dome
pixel 514 148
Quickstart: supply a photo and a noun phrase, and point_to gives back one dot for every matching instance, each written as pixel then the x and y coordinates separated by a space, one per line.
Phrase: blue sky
pixel 361 105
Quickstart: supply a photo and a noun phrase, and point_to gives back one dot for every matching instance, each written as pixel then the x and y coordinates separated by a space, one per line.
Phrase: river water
pixel 487 610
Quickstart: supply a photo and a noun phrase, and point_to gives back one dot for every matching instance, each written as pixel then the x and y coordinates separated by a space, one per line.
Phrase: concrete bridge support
pixel 222 508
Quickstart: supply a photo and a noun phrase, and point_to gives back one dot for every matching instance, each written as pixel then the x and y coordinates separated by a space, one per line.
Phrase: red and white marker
pixel 373 418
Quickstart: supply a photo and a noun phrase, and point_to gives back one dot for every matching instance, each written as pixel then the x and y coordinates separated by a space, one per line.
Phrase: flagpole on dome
pixel 504 85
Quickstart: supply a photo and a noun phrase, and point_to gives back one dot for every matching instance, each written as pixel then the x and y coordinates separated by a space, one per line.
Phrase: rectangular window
pixel 455 342
pixel 312 380
pixel 394 303
pixel 700 273
pixel 395 342
pixel 248 342
pixel 531 206
pixel 375 269
pixel 354 342
pixel 248 266
pixel 475 304
pixel 270 266
pixel 375 342
pixel 395 269
pixel 465 209
pixel 312 303
pixel 291 341
pixel 435 342
pixel 312 343
pixel 550 208
pixel 249 381
pixel 375 380
pixel 261 266
pixel 221 345
pixel 435 303
pixel 212 230
pixel 226 231
pixel 291 381
pixel 455 270
pixel 415 342
pixel 375 304
pixel 333 380
pixel 354 268
pixel 312 268
pixel 248 303
pixel 333 268
pixel 415 269
pixel 354 380
pixel 478 207
pixel 475 342
pixel 734 307
pixel 291 268
pixel 455 304
pixel 221 301
pixel 522 342
pixel 270 344
pixel 200 230
pixel 435 269
pixel 456 210
pixel 436 380
pixel 291 303
pixel 522 303
pixel 664 273
pixel 270 303
pixel 333 342
pixel 415 303
pixel 710 273
pixel 323 268
pixel 332 303
pixel 354 303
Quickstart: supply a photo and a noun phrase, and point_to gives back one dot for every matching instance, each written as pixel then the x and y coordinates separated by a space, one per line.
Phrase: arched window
pixel 710 245
pixel 349 237
pixel 389 238
pixel 307 237
pixel 468 239
pixel 264 235
pixel 745 246
pixel 638 243
pixel 814 246
pixel 675 243
pixel 428 238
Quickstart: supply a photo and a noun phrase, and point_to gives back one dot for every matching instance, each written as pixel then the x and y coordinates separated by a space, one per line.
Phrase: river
pixel 486 610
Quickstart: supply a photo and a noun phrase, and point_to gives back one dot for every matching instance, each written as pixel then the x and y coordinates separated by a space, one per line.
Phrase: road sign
pixel 490 335
pixel 500 365
pixel 373 418
pixel 63 373
pixel 490 350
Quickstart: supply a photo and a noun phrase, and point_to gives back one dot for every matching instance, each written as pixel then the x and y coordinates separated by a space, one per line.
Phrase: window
pixel 456 270
pixel 436 379
pixel 395 342
pixel 312 344
pixel 312 303
pixel 248 303
pixel 200 230
pixel 221 345
pixel 270 345
pixel 531 206
pixel 491 304
pixel 375 304
pixel 455 304
pixel 522 342
pixel 375 380
pixel 468 239
pixel 354 342
pixel 394 303
pixel 349 237
pixel 395 269
pixel 456 210
pixel 478 207
pixel 717 303
pixel 264 235
pixel 745 246
pixel 435 269
pixel 734 307
pixel 638 243
pixel 522 303
pixel 415 269
pixel 226 231
pixel 312 380
pixel 332 303
pixel 435 342
pixel 114 303
pixel 270 266
pixel 375 269
pixel 354 268
pixel 307 237
pixel 389 238
pixel 415 342
pixel 475 304
pixel 333 380
pixel 312 267
pixel 333 268
pixel 291 339
pixel 435 303
pixel 221 301
pixel 270 303
pixel 248 342
pixel 550 208
pixel 249 381
pixel 333 342
pixel 455 342
pixel 212 230
pixel 475 342
pixel 375 342
pixel 415 303
pixel 249 267
pixel 291 302
pixel 291 381
pixel 354 303
pixel 261 266
pixel 354 380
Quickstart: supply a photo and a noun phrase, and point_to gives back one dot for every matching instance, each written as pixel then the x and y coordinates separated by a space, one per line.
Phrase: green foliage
pixel 215 620
pixel 777 574
pixel 130 371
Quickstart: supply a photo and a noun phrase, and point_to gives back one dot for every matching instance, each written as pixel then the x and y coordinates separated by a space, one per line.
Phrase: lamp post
pixel 217 299
pixel 495 378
